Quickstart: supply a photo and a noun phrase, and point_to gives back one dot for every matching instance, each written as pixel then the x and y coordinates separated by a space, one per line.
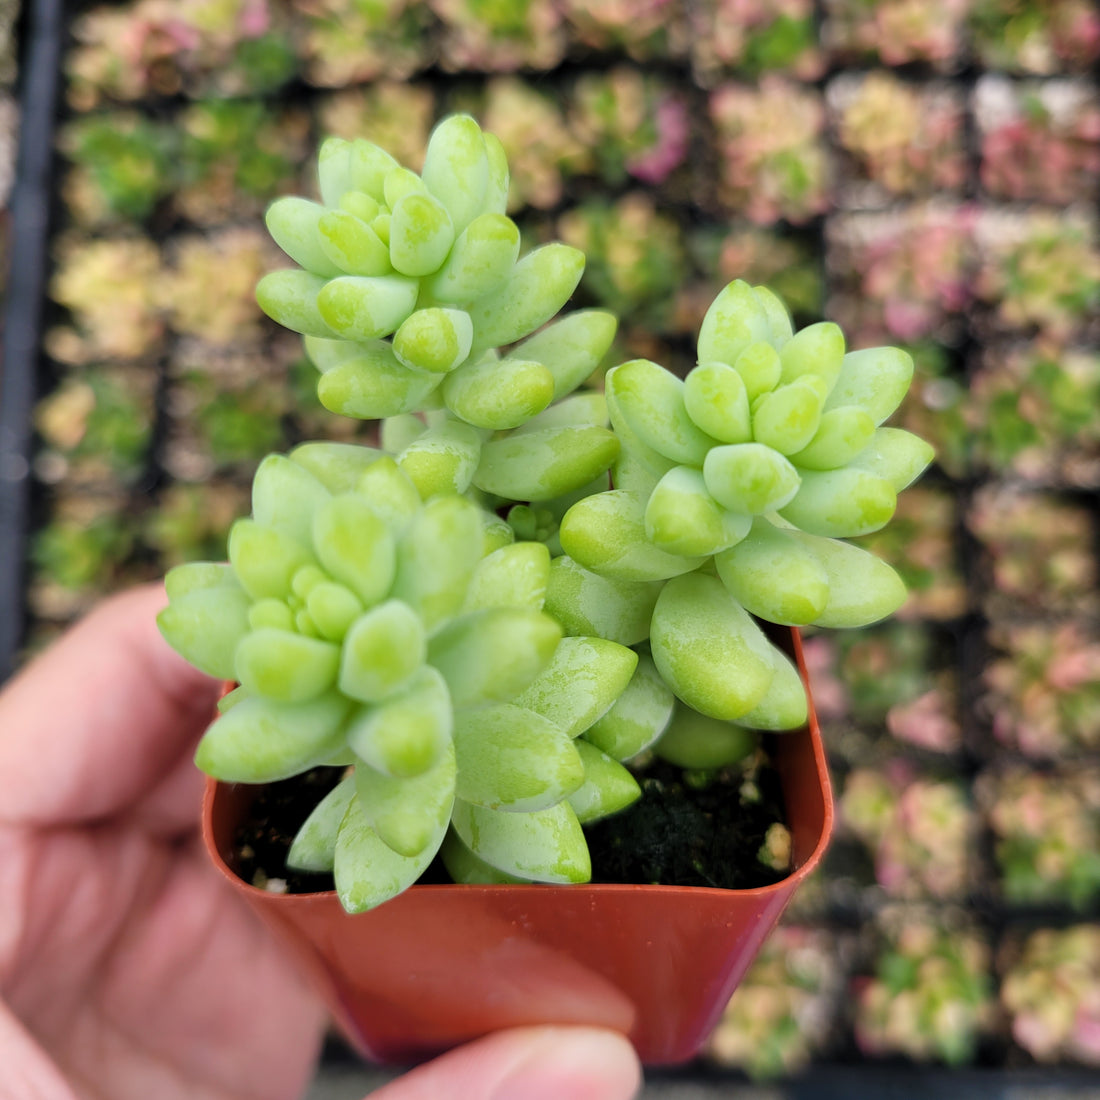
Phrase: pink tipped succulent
pixel 1051 993
pixel 1047 831
pixel 772 150
pixel 903 139
pixel 1043 688
pixel 930 996
pixel 920 830
pixel 784 1011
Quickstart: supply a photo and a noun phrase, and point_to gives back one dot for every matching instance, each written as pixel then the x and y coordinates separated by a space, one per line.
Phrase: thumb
pixel 536 1063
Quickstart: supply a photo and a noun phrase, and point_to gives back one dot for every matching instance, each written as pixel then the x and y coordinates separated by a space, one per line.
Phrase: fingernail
pixel 578 1063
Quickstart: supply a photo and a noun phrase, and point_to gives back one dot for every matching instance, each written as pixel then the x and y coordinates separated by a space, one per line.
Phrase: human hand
pixel 131 967
pixel 127 967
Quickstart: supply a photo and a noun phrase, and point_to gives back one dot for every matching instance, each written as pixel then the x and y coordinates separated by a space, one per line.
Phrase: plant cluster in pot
pixel 527 615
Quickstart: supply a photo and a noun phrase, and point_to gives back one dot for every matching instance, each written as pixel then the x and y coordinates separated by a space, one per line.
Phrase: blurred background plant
pixel 784 260
pixel 920 543
pixel 1039 548
pixel 640 28
pixel 192 521
pixel 162 48
pixel 754 36
pixel 636 125
pixel 930 996
pixel 348 41
pixel 1040 272
pixel 541 148
pixel 787 1007
pixel 396 115
pixel 901 138
pixel 1046 829
pixel 937 405
pixel 902 275
pixel 771 150
pixel 918 829
pixel 635 257
pixel 96 427
pixel 112 290
pixel 1043 682
pixel 890 664
pixel 1035 36
pixel 500 35
pixel 1031 410
pixel 1050 990
pixel 895 32
pixel 1039 140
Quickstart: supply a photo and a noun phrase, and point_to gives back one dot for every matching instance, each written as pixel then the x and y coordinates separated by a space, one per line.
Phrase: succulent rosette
pixel 369 627
pixel 735 490
pixel 407 282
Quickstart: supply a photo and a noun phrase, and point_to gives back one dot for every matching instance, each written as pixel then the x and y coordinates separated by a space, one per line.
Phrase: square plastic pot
pixel 443 964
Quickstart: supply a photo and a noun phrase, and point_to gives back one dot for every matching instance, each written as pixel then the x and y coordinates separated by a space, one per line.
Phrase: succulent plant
pixel 903 139
pixel 1046 828
pixel 367 625
pixel 762 36
pixel 772 447
pixel 1038 545
pixel 785 1009
pixel 350 41
pixel 1035 36
pixel 1053 124
pixel 1041 270
pixel 466 615
pixel 1043 688
pixel 498 37
pixel 1049 991
pixel 1030 411
pixel 771 144
pixel 920 830
pixel 432 260
pixel 634 124
pixel 930 998
pixel 896 32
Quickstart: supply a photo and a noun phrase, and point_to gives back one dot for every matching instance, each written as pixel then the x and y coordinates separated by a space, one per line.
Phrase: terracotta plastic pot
pixel 443 964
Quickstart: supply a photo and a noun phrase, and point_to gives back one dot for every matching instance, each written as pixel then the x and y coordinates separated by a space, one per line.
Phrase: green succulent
pixel 404 638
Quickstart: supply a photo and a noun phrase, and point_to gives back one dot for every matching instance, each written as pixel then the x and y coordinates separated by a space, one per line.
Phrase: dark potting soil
pixel 264 837
pixel 689 829
pixel 686 829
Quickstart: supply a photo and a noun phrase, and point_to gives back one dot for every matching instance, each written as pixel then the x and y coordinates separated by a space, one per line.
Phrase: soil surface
pixel 686 830
pixel 691 830
pixel 264 838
